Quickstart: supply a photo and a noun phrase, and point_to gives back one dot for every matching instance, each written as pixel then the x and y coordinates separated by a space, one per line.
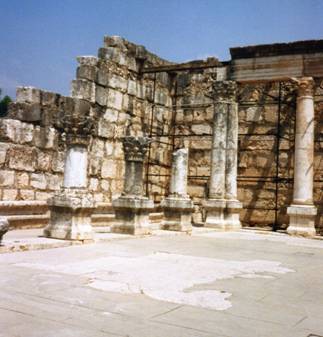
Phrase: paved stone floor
pixel 205 285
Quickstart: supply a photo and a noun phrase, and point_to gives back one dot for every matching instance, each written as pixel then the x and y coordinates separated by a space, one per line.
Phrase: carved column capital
pixel 225 91
pixel 77 123
pixel 135 148
pixel 305 86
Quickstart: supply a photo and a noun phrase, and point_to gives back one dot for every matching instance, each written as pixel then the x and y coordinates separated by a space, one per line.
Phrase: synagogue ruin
pixel 144 144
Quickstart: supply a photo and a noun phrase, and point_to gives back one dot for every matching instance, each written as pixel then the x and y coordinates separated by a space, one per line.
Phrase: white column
pixel 75 173
pixel 233 206
pixel 302 211
pixel 215 204
pixel 178 183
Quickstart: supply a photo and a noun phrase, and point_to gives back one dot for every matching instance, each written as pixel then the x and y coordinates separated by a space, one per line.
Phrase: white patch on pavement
pixel 166 277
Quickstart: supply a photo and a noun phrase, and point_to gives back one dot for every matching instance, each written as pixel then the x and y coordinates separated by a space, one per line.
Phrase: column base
pixel 178 214
pixel 215 213
pixel 132 215
pixel 232 215
pixel 70 216
pixel 301 220
pixel 222 214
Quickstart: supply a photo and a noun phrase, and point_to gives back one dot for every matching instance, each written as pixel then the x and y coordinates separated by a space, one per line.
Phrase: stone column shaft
pixel 232 153
pixel 304 150
pixel 222 206
pixel 178 183
pixel 75 171
pixel 218 156
pixel 178 206
pixel 302 211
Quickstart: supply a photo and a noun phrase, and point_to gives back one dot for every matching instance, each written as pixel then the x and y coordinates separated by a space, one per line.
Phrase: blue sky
pixel 40 39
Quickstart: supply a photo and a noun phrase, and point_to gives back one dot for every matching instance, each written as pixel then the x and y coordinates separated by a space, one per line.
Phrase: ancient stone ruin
pixel 144 144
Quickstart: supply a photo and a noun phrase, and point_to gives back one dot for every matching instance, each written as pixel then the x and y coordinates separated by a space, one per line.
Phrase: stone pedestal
pixel 232 215
pixel 302 211
pixel 132 215
pixel 177 214
pixel 178 206
pixel 222 207
pixel 72 206
pixel 215 213
pixel 70 215
pixel 301 220
pixel 132 208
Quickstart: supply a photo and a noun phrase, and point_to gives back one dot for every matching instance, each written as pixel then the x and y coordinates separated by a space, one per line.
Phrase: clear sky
pixel 40 39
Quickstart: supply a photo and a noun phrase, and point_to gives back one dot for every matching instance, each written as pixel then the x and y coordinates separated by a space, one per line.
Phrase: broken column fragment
pixel 132 208
pixel 72 206
pixel 178 206
pixel 302 210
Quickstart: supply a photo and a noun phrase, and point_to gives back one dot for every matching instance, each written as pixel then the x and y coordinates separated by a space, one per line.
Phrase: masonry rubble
pixel 236 119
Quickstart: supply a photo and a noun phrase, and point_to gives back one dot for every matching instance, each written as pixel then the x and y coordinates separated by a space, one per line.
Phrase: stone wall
pixel 174 107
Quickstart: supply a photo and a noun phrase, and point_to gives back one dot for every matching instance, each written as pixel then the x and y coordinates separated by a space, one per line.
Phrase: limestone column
pixel 178 205
pixel 302 210
pixel 132 208
pixel 72 206
pixel 215 204
pixel 233 205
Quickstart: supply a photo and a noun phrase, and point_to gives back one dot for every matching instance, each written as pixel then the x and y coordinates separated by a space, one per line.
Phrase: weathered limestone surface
pixel 178 206
pixel 132 208
pixel 302 211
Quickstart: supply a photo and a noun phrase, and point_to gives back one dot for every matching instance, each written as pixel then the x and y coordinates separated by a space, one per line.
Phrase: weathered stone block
pixel 27 95
pixel 43 196
pixel 22 158
pixel 87 60
pixel 132 88
pixel 83 89
pixel 58 162
pixel 46 138
pixel 38 181
pixel 114 99
pixel 22 179
pixel 117 82
pixel 44 161
pixel 27 194
pixel 54 182
pixel 9 194
pixel 87 72
pixel 109 168
pixel 7 178
pixel 101 95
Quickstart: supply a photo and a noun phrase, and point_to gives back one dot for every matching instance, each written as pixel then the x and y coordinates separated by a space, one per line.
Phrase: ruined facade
pixel 132 92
